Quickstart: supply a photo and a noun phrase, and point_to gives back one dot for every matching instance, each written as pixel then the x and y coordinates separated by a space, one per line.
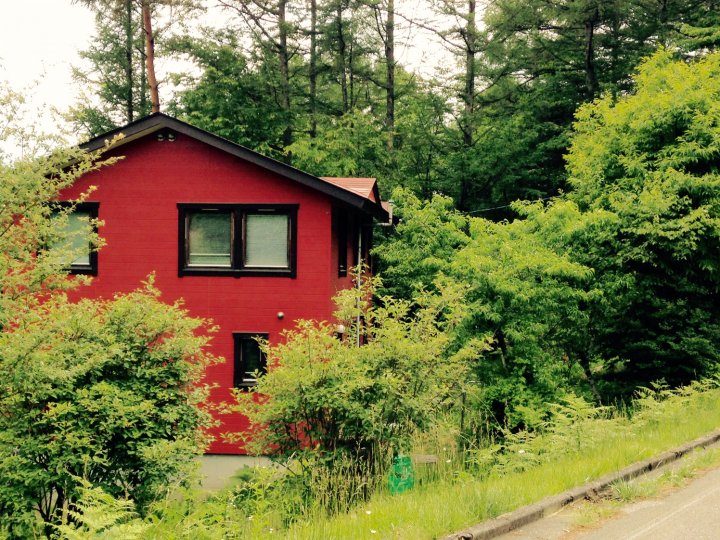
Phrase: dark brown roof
pixel 344 192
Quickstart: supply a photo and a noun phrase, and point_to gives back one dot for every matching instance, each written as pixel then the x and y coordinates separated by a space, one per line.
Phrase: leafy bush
pixel 104 392
pixel 99 393
pixel 325 400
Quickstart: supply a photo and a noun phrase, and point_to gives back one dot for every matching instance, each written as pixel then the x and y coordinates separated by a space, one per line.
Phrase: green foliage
pixel 521 301
pixel 420 247
pixel 646 167
pixel 101 391
pixel 610 287
pixel 33 248
pixel 352 145
pixel 114 80
pixel 329 398
pixel 114 86
pixel 230 98
pixel 529 300
pixel 100 515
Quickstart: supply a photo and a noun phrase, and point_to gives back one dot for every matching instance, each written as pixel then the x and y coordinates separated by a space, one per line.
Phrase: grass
pixel 604 445
pixel 580 444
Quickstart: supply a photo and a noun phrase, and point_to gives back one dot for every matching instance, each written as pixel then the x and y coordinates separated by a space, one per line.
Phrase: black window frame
pixel 93 209
pixel 239 380
pixel 239 214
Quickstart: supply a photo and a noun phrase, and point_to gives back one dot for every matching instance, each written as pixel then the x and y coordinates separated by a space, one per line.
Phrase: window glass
pixel 249 359
pixel 237 239
pixel 209 239
pixel 75 239
pixel 77 231
pixel 266 240
pixel 252 359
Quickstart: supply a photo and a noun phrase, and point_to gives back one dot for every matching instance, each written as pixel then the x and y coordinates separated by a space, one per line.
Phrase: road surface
pixel 691 512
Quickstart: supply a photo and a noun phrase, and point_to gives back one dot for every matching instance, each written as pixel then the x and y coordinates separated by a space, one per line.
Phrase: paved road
pixel 689 513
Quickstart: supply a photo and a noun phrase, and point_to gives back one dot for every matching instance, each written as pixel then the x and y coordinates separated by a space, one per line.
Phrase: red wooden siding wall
pixel 138 200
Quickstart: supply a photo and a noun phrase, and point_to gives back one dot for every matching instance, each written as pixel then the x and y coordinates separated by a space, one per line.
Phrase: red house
pixel 247 241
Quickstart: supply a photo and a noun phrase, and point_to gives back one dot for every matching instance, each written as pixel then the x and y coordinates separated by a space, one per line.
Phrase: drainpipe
pixel 359 283
pixel 389 222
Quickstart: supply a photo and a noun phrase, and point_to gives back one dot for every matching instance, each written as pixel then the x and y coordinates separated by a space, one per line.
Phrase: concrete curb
pixel 550 505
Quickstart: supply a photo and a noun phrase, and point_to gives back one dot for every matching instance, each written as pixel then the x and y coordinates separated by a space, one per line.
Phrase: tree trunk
pixel 469 95
pixel 129 59
pixel 590 75
pixel 313 68
pixel 143 90
pixel 390 71
pixel 150 56
pixel 284 58
pixel 342 52
pixel 351 73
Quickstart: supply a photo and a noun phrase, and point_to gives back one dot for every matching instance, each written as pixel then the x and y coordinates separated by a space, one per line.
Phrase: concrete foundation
pixel 216 470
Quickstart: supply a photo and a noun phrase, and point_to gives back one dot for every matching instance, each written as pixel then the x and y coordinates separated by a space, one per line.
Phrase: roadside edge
pixel 528 514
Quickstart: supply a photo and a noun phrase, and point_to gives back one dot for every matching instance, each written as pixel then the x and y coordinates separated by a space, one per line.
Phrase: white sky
pixel 39 40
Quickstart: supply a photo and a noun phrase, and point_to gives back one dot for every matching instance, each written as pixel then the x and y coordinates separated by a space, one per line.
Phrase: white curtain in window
pixel 266 240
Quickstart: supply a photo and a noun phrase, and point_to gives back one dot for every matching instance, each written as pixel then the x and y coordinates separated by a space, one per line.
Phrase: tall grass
pixel 578 444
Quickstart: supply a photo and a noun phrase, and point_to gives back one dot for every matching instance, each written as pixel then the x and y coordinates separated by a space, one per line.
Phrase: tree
pixel 116 75
pixel 701 30
pixel 122 58
pixel 351 145
pixel 542 59
pixel 270 24
pixel 521 315
pixel 426 239
pixel 384 14
pixel 646 167
pixel 330 399
pixel 463 39
pixel 229 97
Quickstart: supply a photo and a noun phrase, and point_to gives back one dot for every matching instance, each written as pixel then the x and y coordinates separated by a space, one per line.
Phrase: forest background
pixel 298 81
pixel 318 85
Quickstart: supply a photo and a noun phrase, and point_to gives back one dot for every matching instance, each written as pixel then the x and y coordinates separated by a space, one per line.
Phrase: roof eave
pixel 155 122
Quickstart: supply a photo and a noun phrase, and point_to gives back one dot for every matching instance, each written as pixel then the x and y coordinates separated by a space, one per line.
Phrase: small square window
pixel 249 358
pixel 75 230
pixel 237 239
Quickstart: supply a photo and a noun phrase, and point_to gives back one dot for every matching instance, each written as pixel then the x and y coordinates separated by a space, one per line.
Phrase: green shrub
pixel 104 392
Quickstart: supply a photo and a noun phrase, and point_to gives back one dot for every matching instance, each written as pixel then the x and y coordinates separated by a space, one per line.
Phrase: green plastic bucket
pixel 402 476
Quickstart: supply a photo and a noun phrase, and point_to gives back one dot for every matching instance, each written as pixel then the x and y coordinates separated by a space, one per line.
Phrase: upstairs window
pixel 76 232
pixel 267 240
pixel 209 239
pixel 227 239
pixel 249 359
